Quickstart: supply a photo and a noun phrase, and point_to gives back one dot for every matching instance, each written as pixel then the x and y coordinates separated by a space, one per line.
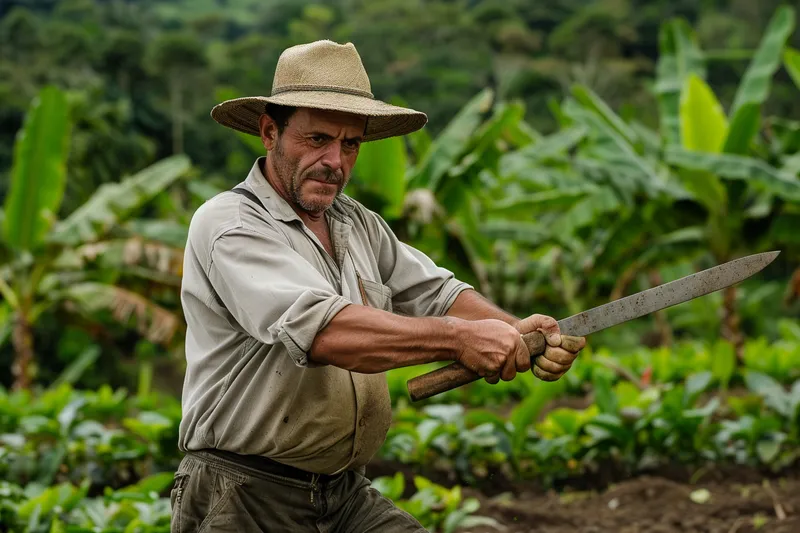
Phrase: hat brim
pixel 383 120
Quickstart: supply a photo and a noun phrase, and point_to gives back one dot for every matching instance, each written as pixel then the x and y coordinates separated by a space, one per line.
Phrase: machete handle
pixel 455 375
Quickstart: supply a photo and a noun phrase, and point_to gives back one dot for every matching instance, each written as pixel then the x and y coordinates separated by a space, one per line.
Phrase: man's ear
pixel 269 131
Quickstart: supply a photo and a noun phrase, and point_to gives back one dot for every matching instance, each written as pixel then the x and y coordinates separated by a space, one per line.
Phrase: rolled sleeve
pixel 419 286
pixel 271 291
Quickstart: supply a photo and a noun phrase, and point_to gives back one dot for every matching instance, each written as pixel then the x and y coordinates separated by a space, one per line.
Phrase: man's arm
pixel 471 305
pixel 368 340
pixel 278 297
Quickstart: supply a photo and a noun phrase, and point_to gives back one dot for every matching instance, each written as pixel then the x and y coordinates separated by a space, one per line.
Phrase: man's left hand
pixel 560 350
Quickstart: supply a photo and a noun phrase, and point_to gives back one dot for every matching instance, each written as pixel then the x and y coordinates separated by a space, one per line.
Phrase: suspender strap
pixel 249 195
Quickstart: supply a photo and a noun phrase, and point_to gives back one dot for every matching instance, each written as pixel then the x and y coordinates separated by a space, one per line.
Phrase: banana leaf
pixel 589 100
pixel 450 145
pixel 704 126
pixel 38 171
pixel 755 85
pixel 156 324
pixel 736 167
pixel 113 202
pixel 609 153
pixel 679 56
pixel 526 206
pixel 381 171
pixel 791 60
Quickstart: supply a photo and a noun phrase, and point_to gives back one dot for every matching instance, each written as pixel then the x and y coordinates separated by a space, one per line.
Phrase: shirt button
pixel 362 422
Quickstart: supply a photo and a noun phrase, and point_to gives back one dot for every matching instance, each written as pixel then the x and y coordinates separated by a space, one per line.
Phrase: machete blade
pixel 666 295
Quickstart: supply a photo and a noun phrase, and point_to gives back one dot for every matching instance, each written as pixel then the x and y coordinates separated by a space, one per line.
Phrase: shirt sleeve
pixel 272 291
pixel 419 286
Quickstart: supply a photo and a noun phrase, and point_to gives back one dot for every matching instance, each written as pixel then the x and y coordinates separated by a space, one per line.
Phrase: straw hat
pixel 322 75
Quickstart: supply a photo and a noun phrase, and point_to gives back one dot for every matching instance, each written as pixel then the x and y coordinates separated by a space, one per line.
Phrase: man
pixel 297 300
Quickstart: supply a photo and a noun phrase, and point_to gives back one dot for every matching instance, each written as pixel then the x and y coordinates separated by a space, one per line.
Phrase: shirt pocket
pixel 376 294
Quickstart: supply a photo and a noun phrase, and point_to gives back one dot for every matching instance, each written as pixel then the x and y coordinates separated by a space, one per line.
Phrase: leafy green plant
pixel 44 258
pixel 439 509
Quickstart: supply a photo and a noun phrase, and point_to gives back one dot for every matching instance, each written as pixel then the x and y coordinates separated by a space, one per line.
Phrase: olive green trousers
pixel 218 492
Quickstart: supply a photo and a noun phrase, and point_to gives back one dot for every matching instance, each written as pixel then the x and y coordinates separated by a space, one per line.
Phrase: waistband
pixel 267 466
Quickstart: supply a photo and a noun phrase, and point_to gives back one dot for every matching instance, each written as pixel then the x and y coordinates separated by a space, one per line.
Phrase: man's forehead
pixel 314 118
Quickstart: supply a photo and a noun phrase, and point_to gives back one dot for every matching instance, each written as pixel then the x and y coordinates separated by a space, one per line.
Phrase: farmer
pixel 297 300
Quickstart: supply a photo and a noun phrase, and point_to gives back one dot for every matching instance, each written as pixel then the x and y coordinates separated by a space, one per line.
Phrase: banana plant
pixel 717 154
pixel 435 193
pixel 44 259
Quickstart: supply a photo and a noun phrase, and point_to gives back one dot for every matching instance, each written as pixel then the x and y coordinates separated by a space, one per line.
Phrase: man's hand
pixel 493 349
pixel 560 350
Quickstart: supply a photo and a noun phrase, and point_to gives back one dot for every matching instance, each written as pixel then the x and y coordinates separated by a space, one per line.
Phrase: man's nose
pixel 333 156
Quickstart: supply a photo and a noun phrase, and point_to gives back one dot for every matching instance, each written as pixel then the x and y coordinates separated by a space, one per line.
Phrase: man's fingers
pixel 509 369
pixel 559 355
pixel 572 344
pixel 544 375
pixel 493 379
pixel 547 325
pixel 548 365
pixel 523 357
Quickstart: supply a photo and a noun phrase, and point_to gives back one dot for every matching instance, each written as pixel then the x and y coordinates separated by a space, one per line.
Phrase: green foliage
pixel 439 509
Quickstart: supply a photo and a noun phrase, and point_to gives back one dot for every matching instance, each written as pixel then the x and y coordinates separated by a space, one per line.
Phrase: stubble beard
pixel 292 178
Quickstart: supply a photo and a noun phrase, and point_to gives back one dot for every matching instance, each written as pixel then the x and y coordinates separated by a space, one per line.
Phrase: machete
pixel 607 315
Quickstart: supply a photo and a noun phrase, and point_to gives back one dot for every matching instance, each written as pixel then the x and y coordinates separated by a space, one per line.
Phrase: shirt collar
pixel 280 208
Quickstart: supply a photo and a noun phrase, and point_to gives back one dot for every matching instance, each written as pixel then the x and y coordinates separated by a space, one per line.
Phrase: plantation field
pixel 576 153
pixel 709 446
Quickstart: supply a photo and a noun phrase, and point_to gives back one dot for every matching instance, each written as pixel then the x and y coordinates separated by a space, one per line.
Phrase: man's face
pixel 315 154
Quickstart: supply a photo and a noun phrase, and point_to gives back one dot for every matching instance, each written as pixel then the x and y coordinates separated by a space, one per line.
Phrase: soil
pixel 740 500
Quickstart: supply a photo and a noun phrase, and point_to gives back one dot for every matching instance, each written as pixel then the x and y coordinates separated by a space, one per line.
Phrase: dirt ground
pixel 737 501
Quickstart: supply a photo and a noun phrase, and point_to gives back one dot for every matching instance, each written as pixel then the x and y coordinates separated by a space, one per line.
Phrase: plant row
pixel 623 426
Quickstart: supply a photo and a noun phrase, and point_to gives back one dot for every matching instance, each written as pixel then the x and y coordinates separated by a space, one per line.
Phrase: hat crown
pixel 322 66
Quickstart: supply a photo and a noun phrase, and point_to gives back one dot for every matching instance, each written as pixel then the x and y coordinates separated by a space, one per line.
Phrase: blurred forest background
pixel 140 78
pixel 577 151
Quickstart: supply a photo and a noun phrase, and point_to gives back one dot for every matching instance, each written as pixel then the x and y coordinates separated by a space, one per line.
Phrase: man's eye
pixel 316 138
pixel 352 144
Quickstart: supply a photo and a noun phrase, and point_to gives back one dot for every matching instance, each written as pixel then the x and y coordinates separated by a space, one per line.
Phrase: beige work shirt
pixel 257 287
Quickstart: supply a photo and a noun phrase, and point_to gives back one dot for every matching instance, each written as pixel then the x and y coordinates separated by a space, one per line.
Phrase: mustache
pixel 330 176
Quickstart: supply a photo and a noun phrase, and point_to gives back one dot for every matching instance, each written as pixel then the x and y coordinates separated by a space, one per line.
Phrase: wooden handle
pixel 455 375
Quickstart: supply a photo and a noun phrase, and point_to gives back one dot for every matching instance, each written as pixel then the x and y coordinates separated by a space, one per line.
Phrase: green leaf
pixel 723 362
pixel 449 146
pixel 604 395
pixel 703 123
pixel 695 384
pixel 525 207
pixel 595 104
pixel 755 84
pixel 391 487
pixel 76 368
pixel 38 171
pixel 155 483
pixel 767 450
pixel 381 170
pixel 169 232
pixel 735 167
pixel 679 56
pixel 744 127
pixel 791 60
pixel 113 202
pixel 609 153
pixel 772 391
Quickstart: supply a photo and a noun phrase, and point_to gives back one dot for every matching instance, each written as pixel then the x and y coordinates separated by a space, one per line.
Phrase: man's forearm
pixel 470 305
pixel 368 340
